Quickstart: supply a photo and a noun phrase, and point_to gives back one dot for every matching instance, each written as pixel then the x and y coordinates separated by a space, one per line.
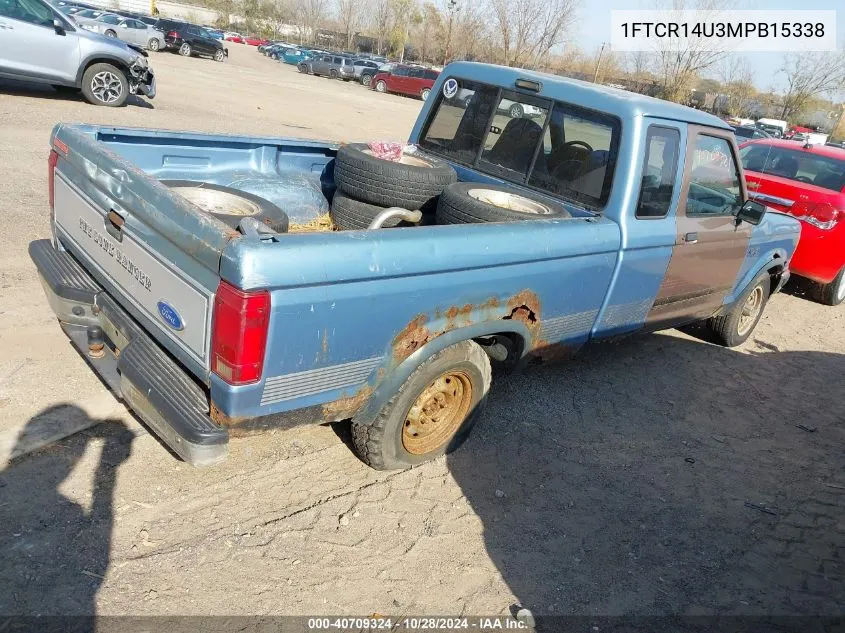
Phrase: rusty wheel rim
pixel 750 310
pixel 437 413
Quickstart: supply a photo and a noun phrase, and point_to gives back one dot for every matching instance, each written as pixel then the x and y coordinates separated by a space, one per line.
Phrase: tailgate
pixel 156 254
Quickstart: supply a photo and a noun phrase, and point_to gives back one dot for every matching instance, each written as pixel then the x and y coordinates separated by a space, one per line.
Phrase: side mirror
pixel 752 212
pixel 58 26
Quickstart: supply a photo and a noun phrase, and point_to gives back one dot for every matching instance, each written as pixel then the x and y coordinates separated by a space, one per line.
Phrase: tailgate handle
pixel 114 224
pixel 691 238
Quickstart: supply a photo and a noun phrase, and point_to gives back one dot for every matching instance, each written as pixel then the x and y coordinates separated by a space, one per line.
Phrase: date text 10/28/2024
pixel 376 623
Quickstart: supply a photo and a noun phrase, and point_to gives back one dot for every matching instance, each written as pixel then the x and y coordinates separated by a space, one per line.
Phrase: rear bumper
pixel 820 254
pixel 134 367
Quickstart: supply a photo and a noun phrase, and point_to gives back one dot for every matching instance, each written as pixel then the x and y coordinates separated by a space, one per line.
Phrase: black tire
pixel 516 111
pixel 424 93
pixel 92 87
pixel 381 86
pixel 303 68
pixel 219 56
pixel 185 49
pixel 832 294
pixel 334 74
pixel 349 214
pixel 154 44
pixel 728 328
pixel 264 210
pixel 390 184
pixel 110 33
pixel 366 80
pixel 380 443
pixel 457 206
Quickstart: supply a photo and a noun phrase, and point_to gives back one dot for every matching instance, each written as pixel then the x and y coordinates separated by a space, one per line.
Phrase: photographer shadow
pixel 55 550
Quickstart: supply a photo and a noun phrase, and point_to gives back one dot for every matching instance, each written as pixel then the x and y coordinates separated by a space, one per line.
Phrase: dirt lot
pixel 657 475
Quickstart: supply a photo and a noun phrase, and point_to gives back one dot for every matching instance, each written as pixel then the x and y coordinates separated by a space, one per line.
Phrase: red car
pixel 808 182
pixel 414 81
pixel 252 40
pixel 235 38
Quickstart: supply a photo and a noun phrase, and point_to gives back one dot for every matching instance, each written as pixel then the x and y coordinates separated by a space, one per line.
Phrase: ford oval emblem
pixel 169 315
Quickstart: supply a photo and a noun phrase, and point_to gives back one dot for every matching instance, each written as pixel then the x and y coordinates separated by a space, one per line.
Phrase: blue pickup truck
pixel 500 234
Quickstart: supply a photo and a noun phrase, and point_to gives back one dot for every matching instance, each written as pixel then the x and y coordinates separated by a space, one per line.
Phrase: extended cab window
pixel 30 11
pixel 714 179
pixel 578 156
pixel 661 164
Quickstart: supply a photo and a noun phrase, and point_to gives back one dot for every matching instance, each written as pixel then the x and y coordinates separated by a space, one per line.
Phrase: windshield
pixel 798 165
pixel 555 147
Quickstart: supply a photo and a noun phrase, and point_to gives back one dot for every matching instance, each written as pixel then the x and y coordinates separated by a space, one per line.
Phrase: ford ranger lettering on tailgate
pixel 496 235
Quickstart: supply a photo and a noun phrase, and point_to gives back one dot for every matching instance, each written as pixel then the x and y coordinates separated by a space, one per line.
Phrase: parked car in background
pixel 254 40
pixel 334 66
pixel 129 30
pixel 233 37
pixel 215 33
pixel 744 132
pixel 295 55
pixel 85 16
pixel 414 81
pixel 776 127
pixel 189 39
pixel 358 66
pixel 367 74
pixel 43 45
pixel 809 184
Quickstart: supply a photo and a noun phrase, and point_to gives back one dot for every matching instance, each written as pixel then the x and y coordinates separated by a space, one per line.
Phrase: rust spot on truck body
pixel 347 406
pixel 412 337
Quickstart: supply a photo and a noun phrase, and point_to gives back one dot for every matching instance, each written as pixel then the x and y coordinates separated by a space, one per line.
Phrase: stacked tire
pixel 366 185
pixel 473 202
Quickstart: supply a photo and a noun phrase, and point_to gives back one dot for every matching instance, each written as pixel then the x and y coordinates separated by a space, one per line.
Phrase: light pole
pixel 598 63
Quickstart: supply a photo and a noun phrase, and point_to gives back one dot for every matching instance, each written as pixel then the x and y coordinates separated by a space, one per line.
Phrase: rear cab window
pixel 826 172
pixel 554 147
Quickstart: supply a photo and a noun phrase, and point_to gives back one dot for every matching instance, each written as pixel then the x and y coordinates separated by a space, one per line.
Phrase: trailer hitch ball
pixel 96 342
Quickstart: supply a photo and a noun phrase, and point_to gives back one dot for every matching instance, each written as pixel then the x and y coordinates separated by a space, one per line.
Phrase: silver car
pixel 127 29
pixel 40 44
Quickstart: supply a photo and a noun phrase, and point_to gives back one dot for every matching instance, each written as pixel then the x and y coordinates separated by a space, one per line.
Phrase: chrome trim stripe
pixel 764 197
pixel 313 381
pixel 627 313
pixel 559 328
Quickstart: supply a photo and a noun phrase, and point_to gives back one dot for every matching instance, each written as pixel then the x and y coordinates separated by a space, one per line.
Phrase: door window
pixel 30 11
pixel 400 72
pixel 659 170
pixel 415 72
pixel 110 19
pixel 338 61
pixel 714 188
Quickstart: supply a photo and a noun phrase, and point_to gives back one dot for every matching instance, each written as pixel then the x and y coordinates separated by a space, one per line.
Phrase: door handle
pixel 114 224
pixel 691 238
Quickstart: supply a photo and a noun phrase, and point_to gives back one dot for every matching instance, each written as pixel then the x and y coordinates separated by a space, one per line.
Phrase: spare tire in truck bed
pixel 230 205
pixel 468 202
pixel 349 214
pixel 409 183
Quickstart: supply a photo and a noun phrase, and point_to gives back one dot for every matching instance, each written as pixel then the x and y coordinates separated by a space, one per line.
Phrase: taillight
pixel 823 215
pixel 239 334
pixel 174 34
pixel 52 161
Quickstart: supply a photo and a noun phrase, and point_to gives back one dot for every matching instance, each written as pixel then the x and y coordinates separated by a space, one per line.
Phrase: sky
pixel 593 27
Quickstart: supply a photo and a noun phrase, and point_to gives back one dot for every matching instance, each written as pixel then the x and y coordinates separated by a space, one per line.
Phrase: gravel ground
pixel 657 475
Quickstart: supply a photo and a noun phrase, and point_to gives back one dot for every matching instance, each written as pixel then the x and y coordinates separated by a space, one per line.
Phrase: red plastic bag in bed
pixel 390 150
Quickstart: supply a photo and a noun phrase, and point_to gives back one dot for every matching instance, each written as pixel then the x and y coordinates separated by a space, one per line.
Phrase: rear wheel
pixel 185 49
pixel 833 294
pixel 516 111
pixel 303 68
pixel 153 44
pixel 366 80
pixel 110 33
pixel 736 326
pixel 333 74
pixel 432 413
